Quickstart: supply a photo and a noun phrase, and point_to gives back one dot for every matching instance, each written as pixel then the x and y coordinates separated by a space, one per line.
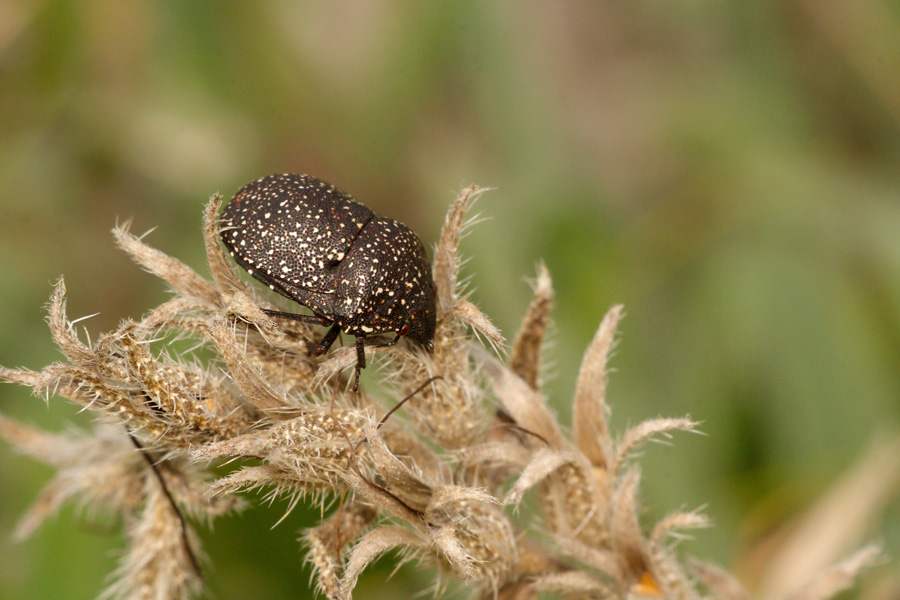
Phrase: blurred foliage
pixel 728 170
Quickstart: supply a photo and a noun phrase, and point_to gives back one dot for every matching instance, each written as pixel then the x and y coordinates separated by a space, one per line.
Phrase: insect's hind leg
pixel 315 319
pixel 276 286
pixel 329 337
pixel 328 340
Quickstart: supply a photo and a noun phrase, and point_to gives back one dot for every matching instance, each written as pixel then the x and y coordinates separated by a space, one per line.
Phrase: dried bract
pixel 474 475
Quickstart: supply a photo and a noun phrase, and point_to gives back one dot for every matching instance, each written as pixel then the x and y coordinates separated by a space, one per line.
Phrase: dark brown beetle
pixel 358 272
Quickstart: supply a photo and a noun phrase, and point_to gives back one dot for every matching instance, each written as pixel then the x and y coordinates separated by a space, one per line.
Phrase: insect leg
pixel 427 345
pixel 328 340
pixel 298 317
pixel 360 360
pixel 388 344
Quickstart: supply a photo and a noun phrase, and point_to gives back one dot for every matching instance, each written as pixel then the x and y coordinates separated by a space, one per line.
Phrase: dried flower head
pixel 440 479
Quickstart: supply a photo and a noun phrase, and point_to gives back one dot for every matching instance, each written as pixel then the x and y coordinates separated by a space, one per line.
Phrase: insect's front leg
pixel 388 344
pixel 360 360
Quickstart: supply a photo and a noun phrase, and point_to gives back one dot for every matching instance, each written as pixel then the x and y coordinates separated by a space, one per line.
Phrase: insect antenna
pixel 185 542
pixel 428 382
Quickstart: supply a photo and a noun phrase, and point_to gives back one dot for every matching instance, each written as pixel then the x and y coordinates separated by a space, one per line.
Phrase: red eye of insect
pixel 404 330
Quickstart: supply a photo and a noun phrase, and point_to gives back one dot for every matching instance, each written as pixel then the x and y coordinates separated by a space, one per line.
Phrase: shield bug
pixel 356 271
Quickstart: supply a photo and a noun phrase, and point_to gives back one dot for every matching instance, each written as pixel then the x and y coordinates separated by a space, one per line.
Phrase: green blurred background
pixel 728 170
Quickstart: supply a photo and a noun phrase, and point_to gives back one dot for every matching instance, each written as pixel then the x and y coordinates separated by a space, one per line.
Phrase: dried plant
pixel 441 480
